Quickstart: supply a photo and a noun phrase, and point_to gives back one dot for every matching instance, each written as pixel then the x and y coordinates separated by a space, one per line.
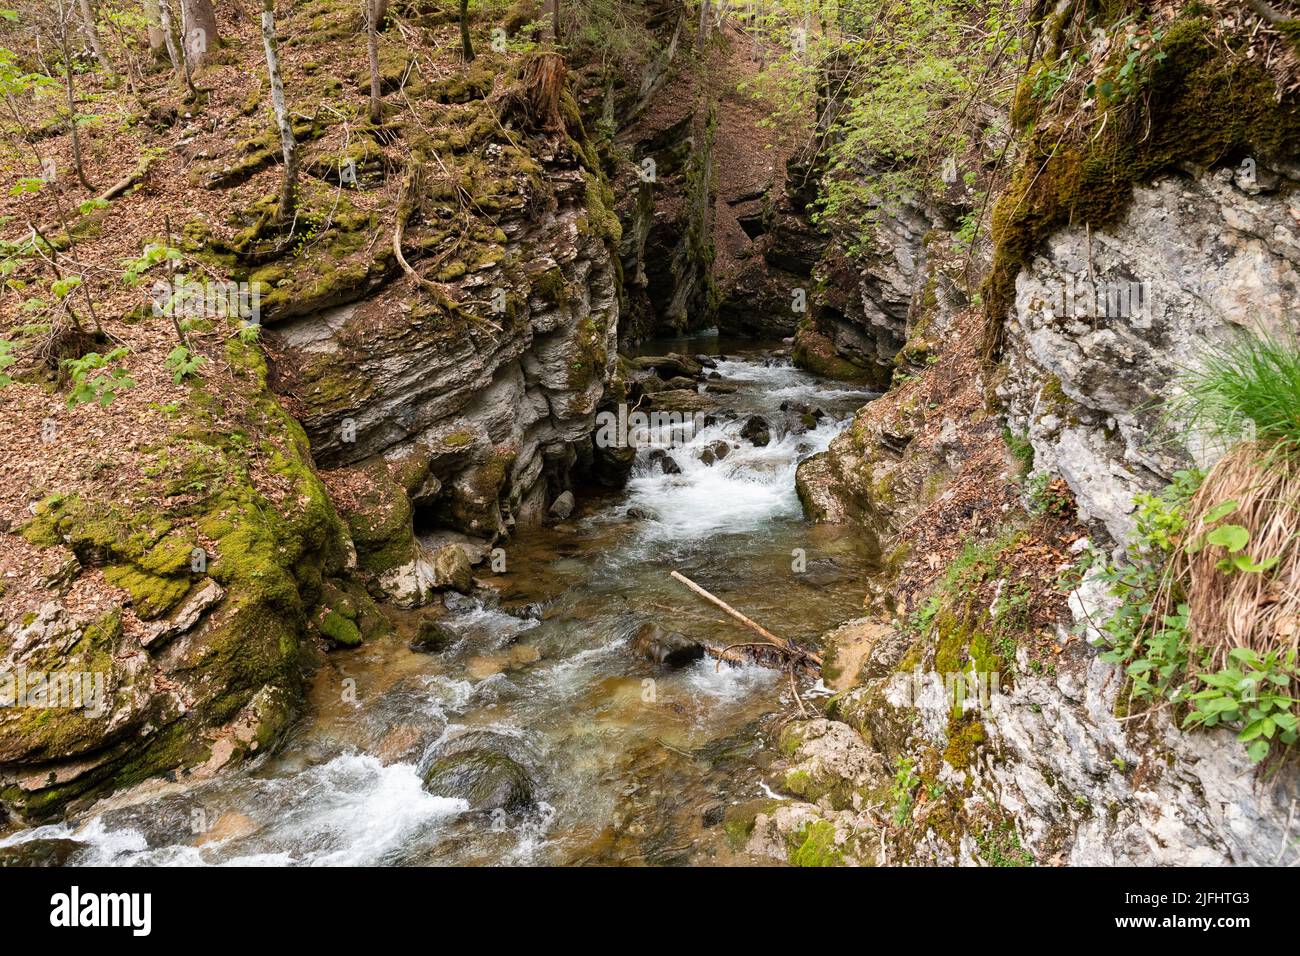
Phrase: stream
pixel 631 761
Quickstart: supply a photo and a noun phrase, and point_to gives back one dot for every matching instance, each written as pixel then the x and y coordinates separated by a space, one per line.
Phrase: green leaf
pixel 1230 536
pixel 1221 511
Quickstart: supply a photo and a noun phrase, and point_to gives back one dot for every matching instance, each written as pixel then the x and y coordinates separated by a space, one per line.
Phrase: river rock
pixel 665 647
pixel 670 365
pixel 433 637
pixel 52 852
pixel 715 452
pixel 451 569
pixel 667 464
pixel 757 431
pixel 562 506
pixel 486 779
pixel 686 400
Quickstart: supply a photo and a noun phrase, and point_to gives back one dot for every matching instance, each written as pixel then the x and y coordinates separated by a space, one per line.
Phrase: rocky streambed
pixel 564 710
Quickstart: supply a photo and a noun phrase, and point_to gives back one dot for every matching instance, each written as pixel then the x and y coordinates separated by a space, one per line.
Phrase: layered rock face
pixel 450 424
pixel 1106 320
pixel 667 215
pixel 1048 765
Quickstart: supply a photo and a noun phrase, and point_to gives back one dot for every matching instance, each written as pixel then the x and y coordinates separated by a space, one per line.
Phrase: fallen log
pixel 791 652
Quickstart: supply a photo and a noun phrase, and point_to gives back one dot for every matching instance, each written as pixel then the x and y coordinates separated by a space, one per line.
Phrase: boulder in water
pixel 433 637
pixel 757 431
pixel 451 569
pixel 49 852
pixel 715 452
pixel 562 506
pixel 488 780
pixel 665 647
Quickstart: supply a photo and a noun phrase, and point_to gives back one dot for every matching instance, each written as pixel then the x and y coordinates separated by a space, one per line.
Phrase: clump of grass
pixel 1249 390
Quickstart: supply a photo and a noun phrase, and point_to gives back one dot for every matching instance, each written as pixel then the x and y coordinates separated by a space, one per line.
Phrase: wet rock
pixel 670 365
pixel 715 452
pixel 680 381
pixel 757 431
pixel 667 464
pixel 486 779
pixel 706 361
pixel 681 400
pixel 562 506
pixel 721 388
pixel 611 465
pixel 451 569
pixel 433 637
pixel 665 647
pixel 53 852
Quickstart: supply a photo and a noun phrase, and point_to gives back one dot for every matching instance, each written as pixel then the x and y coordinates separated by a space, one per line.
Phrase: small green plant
pixel 6 359
pixel 905 782
pixel 97 378
pixel 1232 538
pixel 182 363
pixel 1020 447
pixel 1251 692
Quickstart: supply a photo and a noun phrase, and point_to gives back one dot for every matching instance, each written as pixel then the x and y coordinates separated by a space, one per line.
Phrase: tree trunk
pixel 201 36
pixel 157 40
pixel 703 34
pixel 72 101
pixel 466 47
pixel 288 145
pixel 92 36
pixel 555 19
pixel 373 15
pixel 169 38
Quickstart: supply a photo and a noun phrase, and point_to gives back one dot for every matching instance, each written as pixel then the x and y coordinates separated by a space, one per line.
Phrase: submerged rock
pixel 486 779
pixel 757 431
pixel 433 637
pixel 665 647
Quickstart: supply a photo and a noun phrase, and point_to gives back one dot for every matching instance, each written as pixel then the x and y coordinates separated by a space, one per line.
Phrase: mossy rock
pixel 814 844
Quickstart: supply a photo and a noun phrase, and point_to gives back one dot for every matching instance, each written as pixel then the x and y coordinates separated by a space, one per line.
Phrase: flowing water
pixel 633 762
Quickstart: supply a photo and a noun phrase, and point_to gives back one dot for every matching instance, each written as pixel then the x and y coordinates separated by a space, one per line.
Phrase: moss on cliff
pixel 1200 103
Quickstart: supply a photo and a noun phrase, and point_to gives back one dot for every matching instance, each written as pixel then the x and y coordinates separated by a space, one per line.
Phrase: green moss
pixel 814 845
pixel 965 736
pixel 1201 104
pixel 340 630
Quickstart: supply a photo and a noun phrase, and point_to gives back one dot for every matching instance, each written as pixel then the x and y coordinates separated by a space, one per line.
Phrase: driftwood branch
pixel 791 652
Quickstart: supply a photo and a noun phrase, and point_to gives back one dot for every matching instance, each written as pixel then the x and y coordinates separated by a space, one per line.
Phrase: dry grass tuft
pixel 1243 608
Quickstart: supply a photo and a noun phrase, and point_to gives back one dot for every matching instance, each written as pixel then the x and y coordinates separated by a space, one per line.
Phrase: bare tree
pixel 288 144
pixel 177 56
pixel 373 16
pixel 466 47
pixel 63 14
pixel 92 37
